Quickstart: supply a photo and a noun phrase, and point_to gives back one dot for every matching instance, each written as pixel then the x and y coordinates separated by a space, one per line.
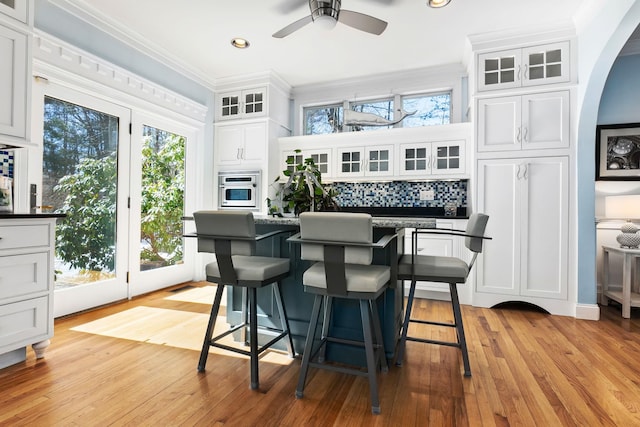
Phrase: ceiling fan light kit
pixel 328 13
pixel 438 3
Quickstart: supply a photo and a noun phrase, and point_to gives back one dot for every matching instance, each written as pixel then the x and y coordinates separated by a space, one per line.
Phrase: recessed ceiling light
pixel 438 3
pixel 239 42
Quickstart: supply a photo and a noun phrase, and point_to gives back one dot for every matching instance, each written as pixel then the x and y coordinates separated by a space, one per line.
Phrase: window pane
pixel 79 179
pixel 383 109
pixel 432 109
pixel 162 206
pixel 322 120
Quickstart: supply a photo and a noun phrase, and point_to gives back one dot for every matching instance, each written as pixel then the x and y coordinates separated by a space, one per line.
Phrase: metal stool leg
pixel 372 367
pixel 253 338
pixel 379 342
pixel 283 318
pixel 212 323
pixel 326 323
pixel 405 324
pixel 308 346
pixel 457 314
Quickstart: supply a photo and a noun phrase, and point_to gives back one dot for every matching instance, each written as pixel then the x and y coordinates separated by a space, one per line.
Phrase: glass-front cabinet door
pixel 499 70
pixel 546 64
pixel 376 160
pixel 242 104
pixel 16 9
pixel 432 158
pixel 529 66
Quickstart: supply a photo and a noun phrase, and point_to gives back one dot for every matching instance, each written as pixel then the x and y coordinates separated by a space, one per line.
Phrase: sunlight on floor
pixel 175 328
pixel 199 295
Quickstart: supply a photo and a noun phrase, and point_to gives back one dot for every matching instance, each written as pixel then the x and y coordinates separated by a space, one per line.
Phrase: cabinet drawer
pixel 23 274
pixel 23 323
pixel 24 236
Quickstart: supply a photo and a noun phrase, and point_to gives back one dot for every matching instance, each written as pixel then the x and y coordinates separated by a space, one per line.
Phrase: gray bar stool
pixel 342 246
pixel 231 235
pixel 443 269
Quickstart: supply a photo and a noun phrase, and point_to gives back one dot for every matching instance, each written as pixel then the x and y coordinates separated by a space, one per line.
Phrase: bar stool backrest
pixel 337 227
pixel 475 227
pixel 223 224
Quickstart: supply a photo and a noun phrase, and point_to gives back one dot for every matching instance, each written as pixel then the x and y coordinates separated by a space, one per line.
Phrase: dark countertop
pixel 10 215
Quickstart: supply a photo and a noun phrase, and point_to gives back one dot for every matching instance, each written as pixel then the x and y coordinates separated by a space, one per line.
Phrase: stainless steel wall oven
pixel 239 189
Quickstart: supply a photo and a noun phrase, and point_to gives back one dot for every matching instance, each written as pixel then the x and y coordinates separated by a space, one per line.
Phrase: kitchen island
pixel 346 316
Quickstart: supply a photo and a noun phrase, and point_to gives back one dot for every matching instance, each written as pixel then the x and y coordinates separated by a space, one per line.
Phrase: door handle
pixel 526 134
pixel 518 135
pixel 526 71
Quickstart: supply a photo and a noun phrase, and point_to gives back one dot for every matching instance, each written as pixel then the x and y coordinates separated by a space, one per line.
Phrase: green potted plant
pixel 303 190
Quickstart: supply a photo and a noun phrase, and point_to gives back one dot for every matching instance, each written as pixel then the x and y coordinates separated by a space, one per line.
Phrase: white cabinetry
pixel 242 104
pixel 374 160
pixel 241 144
pixel 524 122
pixel 17 9
pixel 432 158
pixel 527 202
pixel 26 287
pixel 14 62
pixel 322 157
pixel 527 66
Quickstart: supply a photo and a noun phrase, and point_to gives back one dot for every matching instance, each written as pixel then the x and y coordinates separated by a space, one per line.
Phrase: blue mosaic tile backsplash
pixel 6 163
pixel 400 193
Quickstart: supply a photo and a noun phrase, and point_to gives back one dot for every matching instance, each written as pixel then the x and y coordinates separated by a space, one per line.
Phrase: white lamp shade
pixel 622 207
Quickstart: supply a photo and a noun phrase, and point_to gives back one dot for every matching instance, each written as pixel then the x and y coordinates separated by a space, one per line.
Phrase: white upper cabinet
pixel 322 157
pixel 13 83
pixel 241 144
pixel 242 104
pixel 374 160
pixel 528 66
pixel 527 122
pixel 432 158
pixel 16 9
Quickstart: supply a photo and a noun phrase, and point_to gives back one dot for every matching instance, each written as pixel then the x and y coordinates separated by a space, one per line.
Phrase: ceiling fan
pixel 328 12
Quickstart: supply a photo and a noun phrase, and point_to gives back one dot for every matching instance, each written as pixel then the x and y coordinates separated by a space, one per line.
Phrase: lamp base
pixel 629 238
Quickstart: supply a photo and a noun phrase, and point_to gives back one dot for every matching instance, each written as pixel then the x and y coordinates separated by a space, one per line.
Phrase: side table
pixel 628 297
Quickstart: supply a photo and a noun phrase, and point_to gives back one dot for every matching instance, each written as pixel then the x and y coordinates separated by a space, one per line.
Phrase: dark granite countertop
pixel 10 215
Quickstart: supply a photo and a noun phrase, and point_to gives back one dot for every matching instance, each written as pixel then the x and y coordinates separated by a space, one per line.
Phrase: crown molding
pixel 522 36
pixel 62 55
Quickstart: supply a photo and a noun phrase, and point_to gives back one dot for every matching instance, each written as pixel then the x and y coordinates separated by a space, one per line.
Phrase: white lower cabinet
pixel 527 200
pixel 26 287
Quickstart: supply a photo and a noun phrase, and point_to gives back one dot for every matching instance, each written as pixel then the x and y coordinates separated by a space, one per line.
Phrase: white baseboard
pixel 588 311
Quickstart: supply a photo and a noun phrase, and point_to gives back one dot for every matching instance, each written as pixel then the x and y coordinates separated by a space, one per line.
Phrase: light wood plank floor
pixel 138 367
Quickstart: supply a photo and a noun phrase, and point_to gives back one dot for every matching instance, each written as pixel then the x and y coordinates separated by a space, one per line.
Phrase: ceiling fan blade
pixel 362 22
pixel 292 27
pixel 287 6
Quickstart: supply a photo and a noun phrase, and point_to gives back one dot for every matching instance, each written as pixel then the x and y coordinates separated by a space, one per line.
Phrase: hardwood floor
pixel 138 367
